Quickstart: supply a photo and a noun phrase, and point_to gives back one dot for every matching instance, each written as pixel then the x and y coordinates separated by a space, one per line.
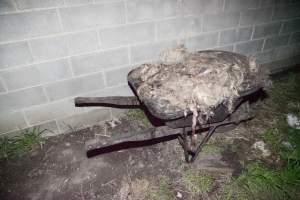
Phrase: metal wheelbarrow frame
pixel 179 128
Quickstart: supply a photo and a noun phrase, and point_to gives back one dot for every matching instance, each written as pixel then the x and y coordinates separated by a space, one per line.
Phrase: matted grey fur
pixel 195 82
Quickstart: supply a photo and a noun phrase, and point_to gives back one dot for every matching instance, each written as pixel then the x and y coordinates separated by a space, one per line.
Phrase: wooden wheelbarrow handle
pixel 113 101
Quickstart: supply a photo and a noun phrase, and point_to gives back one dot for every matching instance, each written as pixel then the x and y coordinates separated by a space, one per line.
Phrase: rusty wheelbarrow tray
pixel 176 122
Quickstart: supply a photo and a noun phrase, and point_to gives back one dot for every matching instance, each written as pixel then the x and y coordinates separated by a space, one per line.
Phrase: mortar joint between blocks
pixel 70 65
pixel 4 85
pixel 129 54
pixel 223 6
pixel 45 93
pixel 98 39
pixel 25 118
pixel 252 33
pixel 264 43
pixel 126 11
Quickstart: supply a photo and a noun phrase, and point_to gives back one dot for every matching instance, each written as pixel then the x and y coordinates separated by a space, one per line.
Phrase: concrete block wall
pixel 54 50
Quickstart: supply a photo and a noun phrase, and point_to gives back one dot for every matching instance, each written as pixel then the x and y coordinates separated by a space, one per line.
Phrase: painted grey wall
pixel 54 50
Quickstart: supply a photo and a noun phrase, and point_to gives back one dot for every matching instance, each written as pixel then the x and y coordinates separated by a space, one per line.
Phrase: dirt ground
pixel 61 170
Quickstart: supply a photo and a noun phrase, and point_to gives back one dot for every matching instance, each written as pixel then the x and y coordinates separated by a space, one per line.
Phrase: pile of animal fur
pixel 195 82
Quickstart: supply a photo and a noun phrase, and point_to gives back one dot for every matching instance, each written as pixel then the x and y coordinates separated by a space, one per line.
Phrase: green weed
pixel 163 192
pixel 139 116
pixel 21 144
pixel 197 182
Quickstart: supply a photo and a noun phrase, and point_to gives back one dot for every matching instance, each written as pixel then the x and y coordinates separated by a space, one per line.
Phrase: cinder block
pixel 54 110
pixel 225 48
pixel 265 3
pixel 296 49
pixel 238 5
pixel 83 120
pixel 49 48
pixel 266 30
pixel 36 74
pixel 265 57
pixel 255 16
pixel 286 11
pixel 279 65
pixel 82 42
pixel 86 16
pixel 10 121
pixel 22 99
pixel 98 61
pixel 291 26
pixel 78 2
pixel 198 7
pixel 178 28
pixel 125 35
pixel 28 24
pixel 75 86
pixel 249 47
pixel 295 38
pixel 6 6
pixel 14 54
pixel 117 76
pixel 140 10
pixel 235 35
pixel 219 21
pixel 201 42
pixel 104 1
pixel 48 128
pixel 276 41
pixel 150 51
pixel 2 88
pixel 121 90
pixel 30 4
pixel 284 52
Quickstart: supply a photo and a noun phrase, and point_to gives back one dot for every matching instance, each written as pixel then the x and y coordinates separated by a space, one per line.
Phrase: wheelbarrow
pixel 174 123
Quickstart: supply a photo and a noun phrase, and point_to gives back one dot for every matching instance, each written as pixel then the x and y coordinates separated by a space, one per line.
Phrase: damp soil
pixel 61 169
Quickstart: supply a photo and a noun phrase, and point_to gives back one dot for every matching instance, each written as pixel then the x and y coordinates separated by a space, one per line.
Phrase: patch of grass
pixel 197 182
pixel 261 183
pixel 163 192
pixel 284 140
pixel 285 94
pixel 274 138
pixel 285 98
pixel 21 144
pixel 139 116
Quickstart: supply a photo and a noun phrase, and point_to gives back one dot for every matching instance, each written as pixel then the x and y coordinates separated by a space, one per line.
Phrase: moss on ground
pixel 21 144
pixel 139 116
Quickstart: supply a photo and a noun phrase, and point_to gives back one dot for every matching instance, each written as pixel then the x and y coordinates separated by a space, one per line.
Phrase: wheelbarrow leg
pixel 184 143
pixel 190 156
pixel 203 142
